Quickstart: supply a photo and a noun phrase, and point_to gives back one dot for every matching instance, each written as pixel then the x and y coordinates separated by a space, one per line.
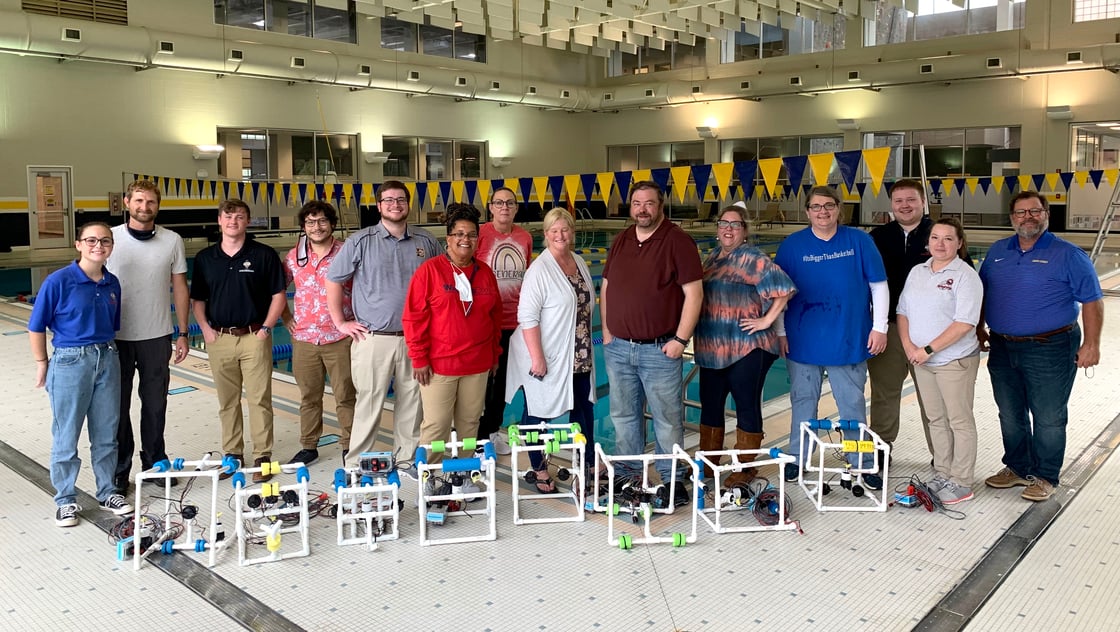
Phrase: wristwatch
pixel 681 340
pixel 183 334
pixel 266 329
pixel 929 350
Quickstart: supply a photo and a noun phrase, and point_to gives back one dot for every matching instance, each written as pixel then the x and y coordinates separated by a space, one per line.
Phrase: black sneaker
pixel 792 472
pixel 873 481
pixel 682 497
pixel 305 456
pixel 159 482
pixel 117 504
pixel 67 515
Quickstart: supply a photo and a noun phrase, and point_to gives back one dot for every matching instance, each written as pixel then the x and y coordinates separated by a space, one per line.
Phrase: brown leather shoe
pixel 226 475
pixel 257 476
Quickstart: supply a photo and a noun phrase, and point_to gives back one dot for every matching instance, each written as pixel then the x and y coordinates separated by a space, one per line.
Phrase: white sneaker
pixel 501 443
pixel 408 471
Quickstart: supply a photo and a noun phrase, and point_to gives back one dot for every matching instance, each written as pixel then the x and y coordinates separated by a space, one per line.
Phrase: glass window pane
pixel 401 151
pixel 1085 10
pixel 243 13
pixel 335 153
pixel 398 35
pixel 436 41
pixel 469 46
pixel 292 17
pixel 471 158
pixel 303 155
pixel 687 154
pixel 738 149
pixel 435 159
pixel 654 156
pixel 622 158
pixel 334 21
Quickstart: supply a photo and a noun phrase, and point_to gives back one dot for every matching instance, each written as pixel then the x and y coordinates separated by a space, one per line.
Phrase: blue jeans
pixel 84 383
pixel 582 413
pixel 805 393
pixel 744 381
pixel 1034 380
pixel 640 375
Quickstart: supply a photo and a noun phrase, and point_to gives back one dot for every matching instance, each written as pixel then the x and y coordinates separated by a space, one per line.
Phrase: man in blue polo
pixel 1033 282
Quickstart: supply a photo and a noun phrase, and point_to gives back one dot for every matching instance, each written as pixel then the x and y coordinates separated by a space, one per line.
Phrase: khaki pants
pixel 948 392
pixel 451 400
pixel 887 371
pixel 237 361
pixel 310 362
pixel 374 362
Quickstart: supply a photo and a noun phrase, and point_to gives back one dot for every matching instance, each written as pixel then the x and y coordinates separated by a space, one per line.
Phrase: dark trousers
pixel 582 413
pixel 150 359
pixel 494 407
pixel 743 380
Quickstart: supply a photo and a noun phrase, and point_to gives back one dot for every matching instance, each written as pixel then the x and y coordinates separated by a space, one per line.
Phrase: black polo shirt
pixel 901 251
pixel 237 290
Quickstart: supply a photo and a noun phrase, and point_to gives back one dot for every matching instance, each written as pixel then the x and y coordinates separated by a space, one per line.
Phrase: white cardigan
pixel 548 301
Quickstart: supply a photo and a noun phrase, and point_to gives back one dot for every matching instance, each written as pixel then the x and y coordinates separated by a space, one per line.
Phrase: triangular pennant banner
pixel 241 191
pixel 1095 176
pixel 470 187
pixel 588 182
pixel 1024 182
pixel 484 192
pixel 795 168
pixel 255 187
pixel 985 184
pixel 948 182
pixel 1052 181
pixel 605 180
pixel 821 165
pixel 1111 175
pixel 190 187
pixel 876 162
pixel 770 168
pixel 571 184
pixel 301 188
pixel 1067 178
pixel 540 184
pixel 661 177
pixel 1080 177
pixel 213 189
pixel 997 183
pixel 433 192
pixel 178 185
pixel 700 175
pixel 1037 179
pixel 787 189
pixel 421 194
pixel 971 184
pixel 526 187
pixel 286 191
pixel 680 181
pixel 935 186
pixel 445 192
pixel 623 180
pixel 320 192
pixel 958 184
pixel 861 188
pixel 347 194
pixel 356 190
pixel 457 188
pixel 336 194
pixel 556 188
pixel 746 170
pixel 848 161
pixel 722 172
pixel 641 175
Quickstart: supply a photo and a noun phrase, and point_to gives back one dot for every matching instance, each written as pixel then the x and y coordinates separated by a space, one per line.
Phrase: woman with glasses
pixel 81 305
pixel 735 345
pixel 452 326
pixel 551 354
pixel 937 316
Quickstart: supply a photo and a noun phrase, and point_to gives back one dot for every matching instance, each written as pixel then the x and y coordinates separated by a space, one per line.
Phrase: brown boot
pixel 744 441
pixel 711 438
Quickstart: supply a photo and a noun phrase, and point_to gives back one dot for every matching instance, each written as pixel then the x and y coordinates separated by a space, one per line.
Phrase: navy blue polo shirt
pixel 238 290
pixel 1033 292
pixel 78 310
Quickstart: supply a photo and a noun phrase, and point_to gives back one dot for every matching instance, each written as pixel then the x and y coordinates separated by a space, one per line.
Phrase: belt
pixel 239 331
pixel 1037 337
pixel 386 333
pixel 660 340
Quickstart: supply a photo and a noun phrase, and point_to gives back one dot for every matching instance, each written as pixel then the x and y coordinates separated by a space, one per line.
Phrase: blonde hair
pixel 557 214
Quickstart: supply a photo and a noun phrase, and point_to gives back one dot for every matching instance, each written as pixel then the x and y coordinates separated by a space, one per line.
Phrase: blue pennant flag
pixel 1067 178
pixel 958 184
pixel 421 194
pixel 985 184
pixel 178 183
pixel 241 191
pixel 302 189
pixel 935 186
pixel 255 187
pixel 787 189
pixel 848 162
pixel 470 188
pixel 213 189
pixel 356 194
pixel 1038 179
pixel 320 192
pixel 587 181
pixel 556 187
pixel 286 189
pixel 701 174
pixel 861 188
pixel 661 177
pixel 622 180
pixel 746 170
pixel 445 191
pixel 526 186
pixel 795 167
pixel 190 186
pixel 1095 176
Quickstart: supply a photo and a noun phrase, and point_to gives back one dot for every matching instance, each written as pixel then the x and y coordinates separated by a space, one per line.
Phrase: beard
pixel 1028 231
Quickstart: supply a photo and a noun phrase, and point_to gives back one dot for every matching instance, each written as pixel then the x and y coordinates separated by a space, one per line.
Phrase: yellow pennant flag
pixel 606 181
pixel 876 162
pixel 770 168
pixel 759 190
pixel 433 193
pixel 411 186
pixel 1081 177
pixel 971 183
pixel 484 193
pixel 947 186
pixel 367 193
pixel 997 183
pixel 571 185
pixel 540 183
pixel 1025 182
pixel 1052 181
pixel 639 175
pixel 457 187
pixel 820 165
pixel 680 181
pixel 347 192
pixel 1111 175
pixel 722 171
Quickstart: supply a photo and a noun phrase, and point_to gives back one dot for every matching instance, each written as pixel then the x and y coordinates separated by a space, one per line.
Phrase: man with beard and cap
pixel 1033 282
pixel 650 304
pixel 147 259
pixel 318 347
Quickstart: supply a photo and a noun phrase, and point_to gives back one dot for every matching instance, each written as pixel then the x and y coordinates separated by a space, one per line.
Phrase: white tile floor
pixel 866 571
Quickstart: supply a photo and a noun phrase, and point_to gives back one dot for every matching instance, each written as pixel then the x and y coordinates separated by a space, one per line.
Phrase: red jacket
pixel 441 331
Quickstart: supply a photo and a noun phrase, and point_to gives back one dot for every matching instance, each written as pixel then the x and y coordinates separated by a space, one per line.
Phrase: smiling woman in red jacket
pixel 452 326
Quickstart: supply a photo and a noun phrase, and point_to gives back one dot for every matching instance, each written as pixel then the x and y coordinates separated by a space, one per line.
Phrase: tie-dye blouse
pixel 740 284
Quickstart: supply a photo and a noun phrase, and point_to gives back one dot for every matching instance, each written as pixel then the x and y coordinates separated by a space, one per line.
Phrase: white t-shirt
pixel 144 269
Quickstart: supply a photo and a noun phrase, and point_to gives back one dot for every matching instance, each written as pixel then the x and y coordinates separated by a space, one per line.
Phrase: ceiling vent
pixel 795 81
pixel 744 85
pixel 650 93
pixel 460 82
pixel 299 62
pixel 1073 57
pixel 608 96
pixel 167 48
pixel 565 94
pixel 853 75
pixel 697 90
pixel 236 54
pixel 925 69
pixel 414 75
pixel 71 35
pixel 364 70
pixel 531 90
pixel 495 86
pixel 995 62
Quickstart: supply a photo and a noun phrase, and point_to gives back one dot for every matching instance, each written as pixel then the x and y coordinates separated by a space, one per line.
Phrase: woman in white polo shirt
pixel 937 316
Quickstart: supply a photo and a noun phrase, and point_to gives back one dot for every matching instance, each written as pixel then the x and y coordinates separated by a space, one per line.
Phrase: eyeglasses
pixel 401 201
pixel 730 224
pixel 312 223
pixel 471 236
pixel 1022 212
pixel 505 203
pixel 106 242
pixel 817 208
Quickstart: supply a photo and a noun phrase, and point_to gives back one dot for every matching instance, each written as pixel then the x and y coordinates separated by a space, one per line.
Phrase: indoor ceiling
pixel 590 26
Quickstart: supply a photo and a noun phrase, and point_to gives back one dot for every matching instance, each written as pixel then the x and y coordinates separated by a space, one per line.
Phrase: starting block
pixel 769 504
pixel 867 442
pixel 186 539
pixel 549 439
pixel 448 500
pixel 368 509
pixel 642 500
pixel 281 508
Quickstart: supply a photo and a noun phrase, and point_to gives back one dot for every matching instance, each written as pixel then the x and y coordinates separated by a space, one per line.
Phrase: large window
pixel 1086 10
pixel 757 40
pixel 428 159
pixel 432 40
pixel 288 155
pixel 655 156
pixel 943 18
pixel 1096 146
pixel 322 19
pixel 674 56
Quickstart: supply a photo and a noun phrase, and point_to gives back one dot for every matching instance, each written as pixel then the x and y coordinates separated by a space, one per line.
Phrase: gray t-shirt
pixel 381 267
pixel 144 269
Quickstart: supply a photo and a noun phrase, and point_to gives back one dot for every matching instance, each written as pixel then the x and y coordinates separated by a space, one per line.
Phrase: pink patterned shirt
pixel 310 312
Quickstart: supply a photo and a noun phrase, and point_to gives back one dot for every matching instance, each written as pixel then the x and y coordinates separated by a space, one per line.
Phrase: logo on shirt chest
pixel 246 266
pixel 420 253
pixel 947 285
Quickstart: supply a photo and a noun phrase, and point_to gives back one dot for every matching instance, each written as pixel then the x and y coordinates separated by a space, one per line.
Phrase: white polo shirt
pixel 931 301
